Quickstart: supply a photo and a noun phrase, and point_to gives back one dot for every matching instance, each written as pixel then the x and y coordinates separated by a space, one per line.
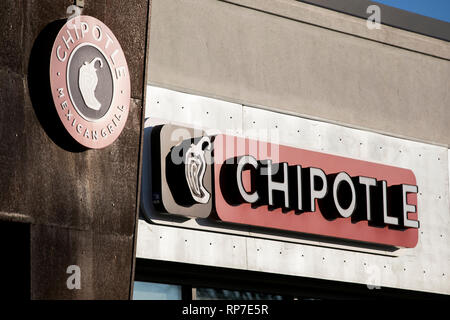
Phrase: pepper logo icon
pixel 195 166
pixel 88 83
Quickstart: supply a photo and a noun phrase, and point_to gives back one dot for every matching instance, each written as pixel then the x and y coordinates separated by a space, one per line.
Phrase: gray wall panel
pixel 376 80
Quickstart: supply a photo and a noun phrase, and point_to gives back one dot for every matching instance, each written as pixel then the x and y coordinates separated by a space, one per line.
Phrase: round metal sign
pixel 90 82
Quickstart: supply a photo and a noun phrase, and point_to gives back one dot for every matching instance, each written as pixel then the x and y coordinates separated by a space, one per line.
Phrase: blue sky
pixel 437 9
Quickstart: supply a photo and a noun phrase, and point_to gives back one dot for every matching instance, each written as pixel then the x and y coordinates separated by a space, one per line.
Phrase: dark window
pixel 15 260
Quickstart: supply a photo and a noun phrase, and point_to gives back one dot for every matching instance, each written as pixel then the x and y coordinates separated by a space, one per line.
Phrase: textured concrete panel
pixel 249 56
pixel 81 203
pixel 12 140
pixel 192 246
pixel 92 189
pixel 423 268
pixel 100 258
pixel 11 35
pixel 128 21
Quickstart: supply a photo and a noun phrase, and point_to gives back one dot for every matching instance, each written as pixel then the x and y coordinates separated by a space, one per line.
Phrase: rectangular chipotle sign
pixel 243 181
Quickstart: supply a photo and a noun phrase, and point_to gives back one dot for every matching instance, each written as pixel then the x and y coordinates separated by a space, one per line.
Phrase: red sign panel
pixel 391 201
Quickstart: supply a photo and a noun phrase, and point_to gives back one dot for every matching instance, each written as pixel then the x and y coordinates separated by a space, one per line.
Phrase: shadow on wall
pixel 40 91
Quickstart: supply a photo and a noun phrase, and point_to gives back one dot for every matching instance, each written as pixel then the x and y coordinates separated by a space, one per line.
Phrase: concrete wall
pixel 303 60
pixel 81 205
pixel 292 57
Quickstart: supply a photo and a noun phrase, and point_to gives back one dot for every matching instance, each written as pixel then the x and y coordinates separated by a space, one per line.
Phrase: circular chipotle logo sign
pixel 90 82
